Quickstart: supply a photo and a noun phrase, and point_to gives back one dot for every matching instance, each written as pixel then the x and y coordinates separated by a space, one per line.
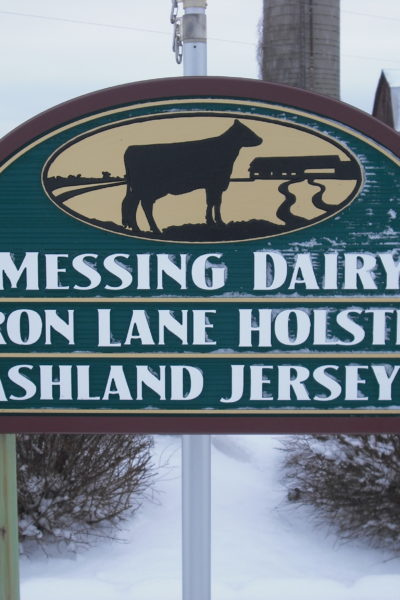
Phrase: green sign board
pixel 199 248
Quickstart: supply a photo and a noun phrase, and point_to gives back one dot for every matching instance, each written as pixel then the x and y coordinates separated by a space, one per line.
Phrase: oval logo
pixel 202 177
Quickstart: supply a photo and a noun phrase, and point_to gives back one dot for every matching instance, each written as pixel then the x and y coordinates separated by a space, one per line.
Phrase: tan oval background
pixel 99 157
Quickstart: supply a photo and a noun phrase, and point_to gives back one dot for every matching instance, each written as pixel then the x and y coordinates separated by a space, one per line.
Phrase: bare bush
pixel 69 484
pixel 352 480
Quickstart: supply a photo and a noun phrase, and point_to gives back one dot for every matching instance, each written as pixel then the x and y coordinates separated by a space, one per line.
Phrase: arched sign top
pixel 204 87
pixel 200 248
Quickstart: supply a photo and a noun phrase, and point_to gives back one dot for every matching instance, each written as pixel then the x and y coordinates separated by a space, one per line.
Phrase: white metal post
pixel 196 517
pixel 194 37
pixel 191 44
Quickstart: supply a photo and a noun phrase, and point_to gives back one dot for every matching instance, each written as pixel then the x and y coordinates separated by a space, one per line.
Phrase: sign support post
pixel 196 449
pixel 9 555
pixel 196 517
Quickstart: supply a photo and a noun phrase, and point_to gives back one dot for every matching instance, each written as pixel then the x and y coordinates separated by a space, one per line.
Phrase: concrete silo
pixel 300 44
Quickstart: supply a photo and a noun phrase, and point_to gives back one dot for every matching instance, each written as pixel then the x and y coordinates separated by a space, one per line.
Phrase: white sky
pixel 48 60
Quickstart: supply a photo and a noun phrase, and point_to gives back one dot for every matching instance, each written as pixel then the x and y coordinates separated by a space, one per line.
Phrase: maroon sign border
pixel 206 87
pixel 198 424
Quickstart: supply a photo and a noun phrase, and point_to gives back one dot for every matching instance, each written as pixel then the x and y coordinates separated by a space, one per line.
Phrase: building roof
pixel 387 98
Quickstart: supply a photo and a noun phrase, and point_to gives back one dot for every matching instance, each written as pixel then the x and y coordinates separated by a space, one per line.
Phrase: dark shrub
pixel 352 480
pixel 69 484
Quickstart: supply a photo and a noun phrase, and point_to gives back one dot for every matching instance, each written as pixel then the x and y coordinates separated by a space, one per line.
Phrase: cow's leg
pixel 217 209
pixel 148 211
pixel 210 199
pixel 214 198
pixel 129 208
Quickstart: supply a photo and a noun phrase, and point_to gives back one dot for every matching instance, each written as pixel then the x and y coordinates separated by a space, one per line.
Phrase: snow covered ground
pixel 263 548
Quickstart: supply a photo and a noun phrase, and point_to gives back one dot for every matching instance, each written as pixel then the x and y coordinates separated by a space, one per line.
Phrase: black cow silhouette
pixel 153 171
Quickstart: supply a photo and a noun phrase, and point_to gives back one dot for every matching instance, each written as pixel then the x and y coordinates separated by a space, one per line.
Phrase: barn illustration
pixel 302 167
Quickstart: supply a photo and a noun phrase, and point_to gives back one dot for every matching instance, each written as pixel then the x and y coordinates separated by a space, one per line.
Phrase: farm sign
pixel 200 248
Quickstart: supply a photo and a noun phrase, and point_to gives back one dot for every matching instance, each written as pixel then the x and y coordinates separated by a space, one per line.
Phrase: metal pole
pixel 9 555
pixel 196 517
pixel 196 449
pixel 194 37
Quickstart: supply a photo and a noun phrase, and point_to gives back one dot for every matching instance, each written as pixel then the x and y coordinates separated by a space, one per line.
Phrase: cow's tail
pixel 129 203
pixel 129 179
